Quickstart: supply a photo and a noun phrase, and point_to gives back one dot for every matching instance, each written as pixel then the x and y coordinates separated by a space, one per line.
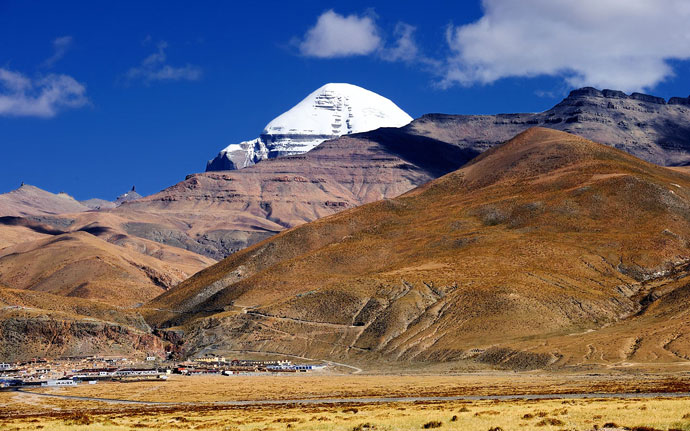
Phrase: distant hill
pixel 547 235
pixel 80 265
pixel 30 200
pixel 98 204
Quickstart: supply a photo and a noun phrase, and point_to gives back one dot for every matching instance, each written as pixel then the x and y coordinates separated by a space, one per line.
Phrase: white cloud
pixel 41 97
pixel 60 47
pixel 335 35
pixel 155 68
pixel 405 48
pixel 619 44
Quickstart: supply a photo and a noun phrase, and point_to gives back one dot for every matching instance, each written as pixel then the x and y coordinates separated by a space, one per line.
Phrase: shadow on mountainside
pixel 432 155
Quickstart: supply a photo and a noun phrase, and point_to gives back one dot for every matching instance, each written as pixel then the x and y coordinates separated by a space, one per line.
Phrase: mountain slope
pixel 39 324
pixel 546 235
pixel 218 213
pixel 30 200
pixel 331 111
pixel 80 265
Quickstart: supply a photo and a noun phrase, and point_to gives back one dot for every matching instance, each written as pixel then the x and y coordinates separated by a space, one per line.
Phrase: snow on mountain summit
pixel 329 112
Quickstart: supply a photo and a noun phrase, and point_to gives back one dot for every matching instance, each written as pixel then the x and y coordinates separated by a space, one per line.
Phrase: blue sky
pixel 98 96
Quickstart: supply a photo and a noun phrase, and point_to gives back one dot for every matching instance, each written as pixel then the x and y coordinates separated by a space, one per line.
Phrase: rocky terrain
pixel 497 263
pixel 70 286
pixel 39 324
pixel 75 285
pixel 131 195
pixel 645 126
pixel 329 112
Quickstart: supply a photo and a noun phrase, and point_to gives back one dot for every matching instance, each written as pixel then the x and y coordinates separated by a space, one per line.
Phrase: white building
pixel 135 372
pixel 59 383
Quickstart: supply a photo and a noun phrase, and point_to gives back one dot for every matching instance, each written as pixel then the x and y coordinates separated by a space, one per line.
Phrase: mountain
pixel 218 213
pixel 329 112
pixel 547 235
pixel 30 200
pixel 15 230
pixel 645 126
pixel 76 280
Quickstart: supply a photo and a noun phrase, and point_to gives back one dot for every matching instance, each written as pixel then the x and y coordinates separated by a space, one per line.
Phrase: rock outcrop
pixel 640 124
pixel 131 195
pixel 36 324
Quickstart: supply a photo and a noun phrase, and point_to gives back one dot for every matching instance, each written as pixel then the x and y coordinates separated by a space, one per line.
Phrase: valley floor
pixel 206 402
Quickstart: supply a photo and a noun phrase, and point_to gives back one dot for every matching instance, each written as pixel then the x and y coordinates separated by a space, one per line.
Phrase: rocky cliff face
pixel 27 337
pixel 38 324
pixel 646 126
pixel 329 112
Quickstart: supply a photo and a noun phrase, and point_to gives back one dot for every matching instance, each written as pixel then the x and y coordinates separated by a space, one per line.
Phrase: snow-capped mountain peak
pixel 329 112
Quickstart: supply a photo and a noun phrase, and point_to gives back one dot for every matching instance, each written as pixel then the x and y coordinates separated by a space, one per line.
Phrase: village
pixel 71 371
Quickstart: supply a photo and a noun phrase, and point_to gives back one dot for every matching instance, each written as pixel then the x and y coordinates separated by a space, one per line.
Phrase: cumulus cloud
pixel 155 68
pixel 335 35
pixel 60 47
pixel 405 48
pixel 621 44
pixel 41 97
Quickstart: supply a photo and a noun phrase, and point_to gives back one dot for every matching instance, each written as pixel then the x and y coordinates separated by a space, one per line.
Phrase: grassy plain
pixel 192 404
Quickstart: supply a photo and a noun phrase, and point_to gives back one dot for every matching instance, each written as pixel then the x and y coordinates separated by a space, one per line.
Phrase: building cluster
pixel 91 369
pixel 72 370
pixel 221 365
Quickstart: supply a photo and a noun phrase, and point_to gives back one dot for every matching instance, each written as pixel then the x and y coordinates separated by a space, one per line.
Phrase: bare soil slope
pixel 39 324
pixel 545 236
pixel 81 265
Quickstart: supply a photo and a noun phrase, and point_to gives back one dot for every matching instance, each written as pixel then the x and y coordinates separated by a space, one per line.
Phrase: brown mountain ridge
pixel 498 262
pixel 218 213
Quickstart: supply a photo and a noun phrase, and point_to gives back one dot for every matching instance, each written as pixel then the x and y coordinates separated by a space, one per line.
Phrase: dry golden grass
pixel 204 389
pixel 23 411
pixel 661 414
